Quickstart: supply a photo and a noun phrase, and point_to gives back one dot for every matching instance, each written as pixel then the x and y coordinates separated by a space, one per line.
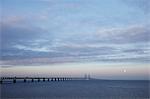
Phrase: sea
pixel 76 89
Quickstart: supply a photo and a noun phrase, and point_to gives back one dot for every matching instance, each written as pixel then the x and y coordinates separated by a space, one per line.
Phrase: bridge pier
pixel 32 80
pixel 14 80
pixel 25 80
pixel 1 81
pixel 43 79
pixel 38 79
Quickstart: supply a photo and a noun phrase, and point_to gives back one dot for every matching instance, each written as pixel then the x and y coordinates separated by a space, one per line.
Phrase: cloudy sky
pixel 101 37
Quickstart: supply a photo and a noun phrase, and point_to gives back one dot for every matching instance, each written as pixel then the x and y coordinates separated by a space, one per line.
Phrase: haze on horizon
pixel 109 39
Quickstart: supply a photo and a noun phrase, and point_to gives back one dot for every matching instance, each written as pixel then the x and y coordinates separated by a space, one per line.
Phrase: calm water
pixel 91 89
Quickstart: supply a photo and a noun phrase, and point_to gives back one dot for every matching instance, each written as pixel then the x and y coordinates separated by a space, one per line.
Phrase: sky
pixel 109 39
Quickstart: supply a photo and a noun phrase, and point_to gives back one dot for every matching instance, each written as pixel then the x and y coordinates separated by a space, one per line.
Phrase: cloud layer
pixel 20 46
pixel 81 34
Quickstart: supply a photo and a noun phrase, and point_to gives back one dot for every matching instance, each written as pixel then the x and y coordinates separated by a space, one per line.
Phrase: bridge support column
pixel 32 80
pixel 25 80
pixel 1 81
pixel 44 79
pixel 14 80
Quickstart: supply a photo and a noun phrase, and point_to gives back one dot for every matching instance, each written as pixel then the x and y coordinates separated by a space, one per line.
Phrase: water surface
pixel 85 89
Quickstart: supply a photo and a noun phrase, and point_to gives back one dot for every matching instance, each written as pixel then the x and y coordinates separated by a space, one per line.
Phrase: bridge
pixel 38 79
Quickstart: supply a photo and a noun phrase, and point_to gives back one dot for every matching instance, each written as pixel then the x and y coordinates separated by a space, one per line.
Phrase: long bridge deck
pixel 32 79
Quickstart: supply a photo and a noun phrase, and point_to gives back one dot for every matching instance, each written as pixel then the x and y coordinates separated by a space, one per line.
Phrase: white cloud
pixel 36 49
pixel 107 44
pixel 130 34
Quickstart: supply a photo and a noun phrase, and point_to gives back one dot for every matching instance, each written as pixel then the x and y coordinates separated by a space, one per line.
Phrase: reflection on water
pixel 89 89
